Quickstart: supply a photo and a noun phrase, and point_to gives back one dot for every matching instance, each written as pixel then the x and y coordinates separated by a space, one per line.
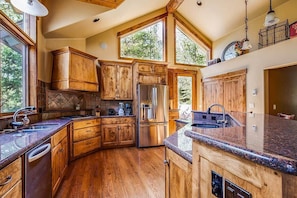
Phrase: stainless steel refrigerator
pixel 152 115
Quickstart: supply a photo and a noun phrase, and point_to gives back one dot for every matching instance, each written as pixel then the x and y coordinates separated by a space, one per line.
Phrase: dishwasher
pixel 38 171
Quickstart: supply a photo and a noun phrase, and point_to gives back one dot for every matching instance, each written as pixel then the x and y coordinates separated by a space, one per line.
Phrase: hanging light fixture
pixel 246 43
pixel 271 18
pixel 32 7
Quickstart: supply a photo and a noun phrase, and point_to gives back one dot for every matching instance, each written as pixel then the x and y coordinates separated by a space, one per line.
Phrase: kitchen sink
pixel 204 125
pixel 37 127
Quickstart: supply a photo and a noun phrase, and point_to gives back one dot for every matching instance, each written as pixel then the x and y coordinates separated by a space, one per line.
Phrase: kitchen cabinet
pixel 11 180
pixel 226 89
pixel 173 115
pixel 178 176
pixel 85 137
pixel 116 80
pixel 258 180
pixel 74 70
pixel 59 143
pixel 148 72
pixel 118 132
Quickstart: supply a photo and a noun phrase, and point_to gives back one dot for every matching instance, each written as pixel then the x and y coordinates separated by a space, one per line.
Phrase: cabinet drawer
pixel 86 123
pixel 86 146
pixel 58 136
pixel 119 120
pixel 10 175
pixel 15 191
pixel 145 68
pixel 152 79
pixel 86 133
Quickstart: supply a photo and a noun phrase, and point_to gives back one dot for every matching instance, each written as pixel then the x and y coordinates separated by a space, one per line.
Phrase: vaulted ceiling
pixel 74 18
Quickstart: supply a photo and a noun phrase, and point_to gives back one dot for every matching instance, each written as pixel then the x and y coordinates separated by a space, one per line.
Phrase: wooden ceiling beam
pixel 105 3
pixel 173 5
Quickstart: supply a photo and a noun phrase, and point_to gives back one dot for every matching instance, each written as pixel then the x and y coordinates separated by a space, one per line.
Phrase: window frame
pixel 194 35
pixel 31 56
pixel 143 25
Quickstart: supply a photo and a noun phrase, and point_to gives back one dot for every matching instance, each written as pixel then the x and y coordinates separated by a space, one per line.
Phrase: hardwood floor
pixel 124 173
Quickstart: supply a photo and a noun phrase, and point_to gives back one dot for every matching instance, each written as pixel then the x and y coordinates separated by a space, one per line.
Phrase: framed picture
pixel 293 30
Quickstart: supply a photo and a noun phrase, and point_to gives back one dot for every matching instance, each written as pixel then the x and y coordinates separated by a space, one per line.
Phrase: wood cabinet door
pixel 212 93
pixel 56 166
pixel 126 134
pixel 178 180
pixel 109 135
pixel 124 89
pixel 108 82
pixel 64 155
pixel 234 93
pixel 160 69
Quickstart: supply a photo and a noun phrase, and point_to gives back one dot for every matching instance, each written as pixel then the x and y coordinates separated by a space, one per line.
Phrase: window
pixel 15 62
pixel 184 84
pixel 12 63
pixel 145 42
pixel 188 51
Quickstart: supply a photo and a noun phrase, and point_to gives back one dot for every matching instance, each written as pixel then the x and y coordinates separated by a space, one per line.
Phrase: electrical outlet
pixel 274 106
pixel 251 105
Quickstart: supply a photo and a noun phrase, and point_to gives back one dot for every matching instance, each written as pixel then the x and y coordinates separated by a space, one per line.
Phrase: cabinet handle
pixel 166 163
pixel 8 179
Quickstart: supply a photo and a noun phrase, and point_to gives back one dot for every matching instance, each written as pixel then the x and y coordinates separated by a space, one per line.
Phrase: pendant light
pixel 271 18
pixel 246 45
pixel 31 7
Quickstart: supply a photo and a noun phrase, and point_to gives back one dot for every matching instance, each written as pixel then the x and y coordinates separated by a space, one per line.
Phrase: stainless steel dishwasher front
pixel 38 172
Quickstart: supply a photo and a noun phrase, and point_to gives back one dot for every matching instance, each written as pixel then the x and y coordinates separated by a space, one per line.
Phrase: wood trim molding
pixel 106 3
pixel 173 5
pixel 143 24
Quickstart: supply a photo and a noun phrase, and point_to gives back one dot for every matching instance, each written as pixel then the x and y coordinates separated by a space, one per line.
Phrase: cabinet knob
pixel 166 163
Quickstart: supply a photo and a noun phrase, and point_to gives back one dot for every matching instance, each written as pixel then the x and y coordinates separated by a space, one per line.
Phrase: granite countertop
pixel 15 144
pixel 264 139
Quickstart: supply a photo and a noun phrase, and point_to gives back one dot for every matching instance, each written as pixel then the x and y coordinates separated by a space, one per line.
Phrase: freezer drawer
pixel 152 134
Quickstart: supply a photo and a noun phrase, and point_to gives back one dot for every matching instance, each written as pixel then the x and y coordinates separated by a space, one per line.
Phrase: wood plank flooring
pixel 116 173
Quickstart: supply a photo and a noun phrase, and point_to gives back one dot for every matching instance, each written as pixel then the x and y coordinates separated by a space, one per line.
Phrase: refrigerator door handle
pixel 154 102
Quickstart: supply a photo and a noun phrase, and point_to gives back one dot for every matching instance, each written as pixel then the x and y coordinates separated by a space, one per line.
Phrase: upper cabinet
pixel 116 80
pixel 74 70
pixel 147 72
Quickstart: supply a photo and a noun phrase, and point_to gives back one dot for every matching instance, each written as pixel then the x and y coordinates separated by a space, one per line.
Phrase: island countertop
pixel 264 139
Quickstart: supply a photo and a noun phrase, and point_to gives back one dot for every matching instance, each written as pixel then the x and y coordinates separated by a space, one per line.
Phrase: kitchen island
pixel 260 156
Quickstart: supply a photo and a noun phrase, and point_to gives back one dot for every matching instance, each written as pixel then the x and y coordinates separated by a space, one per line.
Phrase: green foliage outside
pixel 145 44
pixel 188 51
pixel 185 90
pixel 11 79
pixel 11 65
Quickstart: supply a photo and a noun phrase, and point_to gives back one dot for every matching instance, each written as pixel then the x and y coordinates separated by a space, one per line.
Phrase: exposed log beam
pixel 106 3
pixel 173 5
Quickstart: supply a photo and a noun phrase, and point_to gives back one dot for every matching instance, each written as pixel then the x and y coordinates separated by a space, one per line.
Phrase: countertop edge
pixel 187 156
pixel 282 165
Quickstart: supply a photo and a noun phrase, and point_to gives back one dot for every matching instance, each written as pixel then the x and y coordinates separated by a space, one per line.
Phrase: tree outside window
pixel 146 44
pixel 188 51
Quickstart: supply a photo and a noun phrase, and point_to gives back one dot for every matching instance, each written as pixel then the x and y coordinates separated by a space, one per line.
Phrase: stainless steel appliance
pixel 152 115
pixel 38 171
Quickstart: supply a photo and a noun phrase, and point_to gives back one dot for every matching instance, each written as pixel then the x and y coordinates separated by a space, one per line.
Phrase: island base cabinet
pixel 178 174
pixel 258 180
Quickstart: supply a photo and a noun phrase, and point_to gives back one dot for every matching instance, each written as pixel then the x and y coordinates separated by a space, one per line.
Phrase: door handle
pixel 39 152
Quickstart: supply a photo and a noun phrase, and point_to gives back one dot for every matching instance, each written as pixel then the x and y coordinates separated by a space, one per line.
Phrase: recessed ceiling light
pixel 96 20
pixel 199 3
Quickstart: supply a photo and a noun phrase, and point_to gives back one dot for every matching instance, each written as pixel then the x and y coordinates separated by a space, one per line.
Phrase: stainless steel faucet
pixel 25 120
pixel 224 121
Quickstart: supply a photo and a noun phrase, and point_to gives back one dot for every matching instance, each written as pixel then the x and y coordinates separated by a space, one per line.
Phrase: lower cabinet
pixel 118 131
pixel 59 143
pixel 85 137
pixel 11 180
pixel 178 176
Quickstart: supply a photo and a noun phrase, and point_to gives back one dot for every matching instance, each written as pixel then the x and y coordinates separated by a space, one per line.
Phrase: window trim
pixel 31 64
pixel 140 26
pixel 194 34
